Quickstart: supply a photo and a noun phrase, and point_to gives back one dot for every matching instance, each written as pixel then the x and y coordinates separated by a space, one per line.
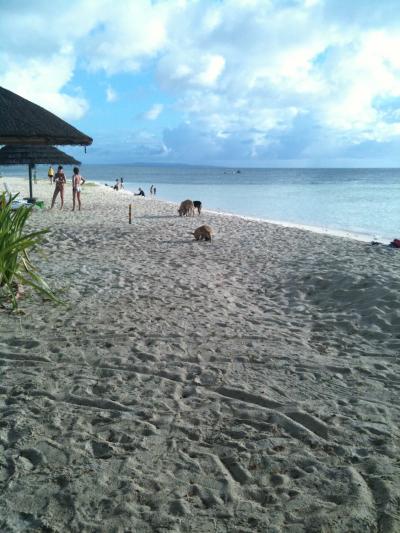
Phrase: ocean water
pixel 364 203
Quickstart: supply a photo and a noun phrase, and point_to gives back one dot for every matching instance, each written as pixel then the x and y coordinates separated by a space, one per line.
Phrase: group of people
pixel 119 184
pixel 140 192
pixel 58 178
pixel 60 181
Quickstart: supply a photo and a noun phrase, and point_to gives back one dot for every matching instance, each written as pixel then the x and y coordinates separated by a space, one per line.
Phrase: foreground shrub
pixel 16 268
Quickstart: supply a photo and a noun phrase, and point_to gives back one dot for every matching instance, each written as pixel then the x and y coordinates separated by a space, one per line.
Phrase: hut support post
pixel 30 200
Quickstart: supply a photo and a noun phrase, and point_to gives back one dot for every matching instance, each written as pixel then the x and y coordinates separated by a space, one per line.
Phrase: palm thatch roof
pixel 23 122
pixel 31 154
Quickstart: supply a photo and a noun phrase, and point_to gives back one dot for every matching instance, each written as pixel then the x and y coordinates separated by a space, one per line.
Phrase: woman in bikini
pixel 77 181
pixel 60 181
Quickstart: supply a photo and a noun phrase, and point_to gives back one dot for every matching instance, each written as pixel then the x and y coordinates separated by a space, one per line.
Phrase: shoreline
pixel 345 234
pixel 249 383
pixel 322 230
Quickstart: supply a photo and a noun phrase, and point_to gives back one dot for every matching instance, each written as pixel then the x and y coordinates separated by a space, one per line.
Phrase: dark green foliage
pixel 16 268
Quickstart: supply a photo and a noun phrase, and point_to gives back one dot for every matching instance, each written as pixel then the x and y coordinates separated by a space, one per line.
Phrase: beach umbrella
pixel 34 154
pixel 23 122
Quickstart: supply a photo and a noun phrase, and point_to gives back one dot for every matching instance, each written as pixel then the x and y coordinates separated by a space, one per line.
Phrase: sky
pixel 250 83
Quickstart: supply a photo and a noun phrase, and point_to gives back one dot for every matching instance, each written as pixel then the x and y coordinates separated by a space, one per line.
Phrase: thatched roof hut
pixel 31 155
pixel 23 122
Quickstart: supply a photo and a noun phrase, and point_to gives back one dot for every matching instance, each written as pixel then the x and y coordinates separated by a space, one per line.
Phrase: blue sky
pixel 229 82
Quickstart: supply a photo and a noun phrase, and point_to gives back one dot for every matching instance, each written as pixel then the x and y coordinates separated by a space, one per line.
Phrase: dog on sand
pixel 203 233
pixel 186 208
pixel 197 205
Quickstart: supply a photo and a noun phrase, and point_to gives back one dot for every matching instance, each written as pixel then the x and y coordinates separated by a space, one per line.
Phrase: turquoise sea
pixel 362 202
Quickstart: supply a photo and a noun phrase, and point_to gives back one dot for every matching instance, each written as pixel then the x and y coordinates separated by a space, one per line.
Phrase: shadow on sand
pixel 187 241
pixel 157 216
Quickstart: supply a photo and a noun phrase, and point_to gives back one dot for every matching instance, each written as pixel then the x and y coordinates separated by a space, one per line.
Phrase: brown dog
pixel 186 208
pixel 203 232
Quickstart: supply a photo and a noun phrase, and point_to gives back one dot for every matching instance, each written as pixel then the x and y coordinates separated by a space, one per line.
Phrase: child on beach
pixel 77 181
pixel 60 181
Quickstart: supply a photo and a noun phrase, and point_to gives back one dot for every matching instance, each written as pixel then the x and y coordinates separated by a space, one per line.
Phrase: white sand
pixel 251 384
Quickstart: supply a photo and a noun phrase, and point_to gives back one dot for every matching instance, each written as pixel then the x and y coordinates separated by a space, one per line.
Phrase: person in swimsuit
pixel 60 181
pixel 77 182
pixel 50 174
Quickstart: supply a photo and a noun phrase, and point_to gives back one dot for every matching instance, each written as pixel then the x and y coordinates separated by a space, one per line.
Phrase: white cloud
pixel 154 112
pixel 42 81
pixel 213 65
pixel 366 70
pixel 38 57
pixel 129 33
pixel 111 95
pixel 243 72
pixel 179 69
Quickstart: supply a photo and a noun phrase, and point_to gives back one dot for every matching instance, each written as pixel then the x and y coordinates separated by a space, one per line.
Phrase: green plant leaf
pixel 15 245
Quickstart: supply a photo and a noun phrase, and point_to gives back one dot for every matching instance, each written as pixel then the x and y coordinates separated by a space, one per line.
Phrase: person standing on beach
pixel 60 181
pixel 154 191
pixel 77 181
pixel 50 173
pixel 151 190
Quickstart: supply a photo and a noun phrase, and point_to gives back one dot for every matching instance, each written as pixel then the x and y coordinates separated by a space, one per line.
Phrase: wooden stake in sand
pixel 130 214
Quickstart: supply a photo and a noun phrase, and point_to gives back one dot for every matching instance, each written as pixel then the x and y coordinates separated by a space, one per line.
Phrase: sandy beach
pixel 250 384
